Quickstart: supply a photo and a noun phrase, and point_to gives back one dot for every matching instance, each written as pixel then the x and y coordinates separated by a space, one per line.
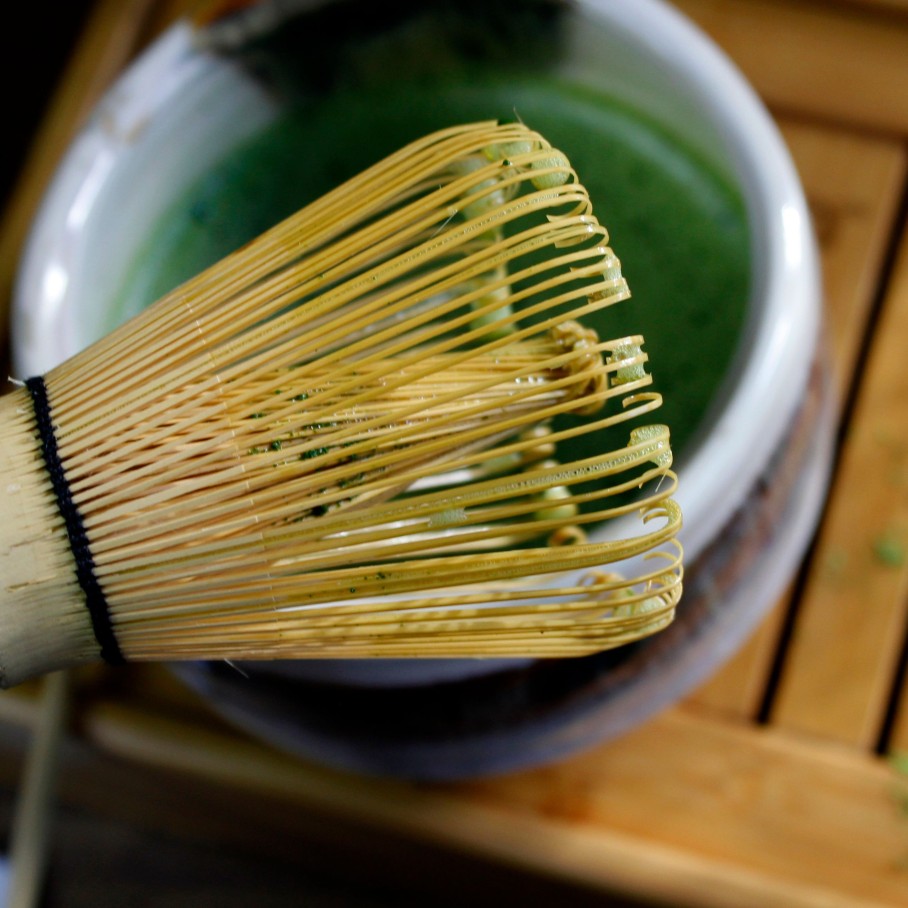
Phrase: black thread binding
pixel 75 529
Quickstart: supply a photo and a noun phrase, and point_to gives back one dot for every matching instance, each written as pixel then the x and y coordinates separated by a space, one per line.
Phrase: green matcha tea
pixel 679 228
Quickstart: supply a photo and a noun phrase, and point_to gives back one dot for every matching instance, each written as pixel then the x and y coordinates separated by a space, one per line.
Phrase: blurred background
pixel 780 782
pixel 37 72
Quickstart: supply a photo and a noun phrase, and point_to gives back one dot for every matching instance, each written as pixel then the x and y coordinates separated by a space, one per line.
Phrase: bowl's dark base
pixel 538 713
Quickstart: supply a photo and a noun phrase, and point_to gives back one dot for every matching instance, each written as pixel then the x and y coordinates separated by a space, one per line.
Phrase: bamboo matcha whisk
pixel 342 440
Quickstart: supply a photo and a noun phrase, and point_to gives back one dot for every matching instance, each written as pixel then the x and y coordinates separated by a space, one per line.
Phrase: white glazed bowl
pixel 178 109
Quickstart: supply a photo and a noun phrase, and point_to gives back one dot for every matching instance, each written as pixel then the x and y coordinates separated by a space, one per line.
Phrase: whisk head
pixel 351 438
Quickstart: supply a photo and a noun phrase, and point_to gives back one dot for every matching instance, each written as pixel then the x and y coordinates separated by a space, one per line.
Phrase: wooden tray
pixel 778 782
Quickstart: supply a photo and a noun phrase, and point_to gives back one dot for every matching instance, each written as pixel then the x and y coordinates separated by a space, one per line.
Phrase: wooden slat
pixel 826 60
pixel 898 738
pixel 736 794
pixel 852 616
pixel 853 185
pixel 683 811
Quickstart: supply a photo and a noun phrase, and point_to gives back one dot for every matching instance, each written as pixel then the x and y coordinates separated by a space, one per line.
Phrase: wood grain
pixel 853 185
pixel 898 740
pixel 681 812
pixel 836 62
pixel 852 616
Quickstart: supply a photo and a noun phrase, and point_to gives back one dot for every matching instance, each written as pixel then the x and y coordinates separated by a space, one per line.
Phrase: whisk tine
pixel 344 440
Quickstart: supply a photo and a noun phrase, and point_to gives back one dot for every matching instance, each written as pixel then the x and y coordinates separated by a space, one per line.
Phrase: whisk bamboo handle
pixel 44 623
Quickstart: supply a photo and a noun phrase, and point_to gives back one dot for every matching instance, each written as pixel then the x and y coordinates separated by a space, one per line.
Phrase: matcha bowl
pixel 224 126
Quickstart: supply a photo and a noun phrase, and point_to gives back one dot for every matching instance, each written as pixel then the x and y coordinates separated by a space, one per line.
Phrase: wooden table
pixel 776 783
